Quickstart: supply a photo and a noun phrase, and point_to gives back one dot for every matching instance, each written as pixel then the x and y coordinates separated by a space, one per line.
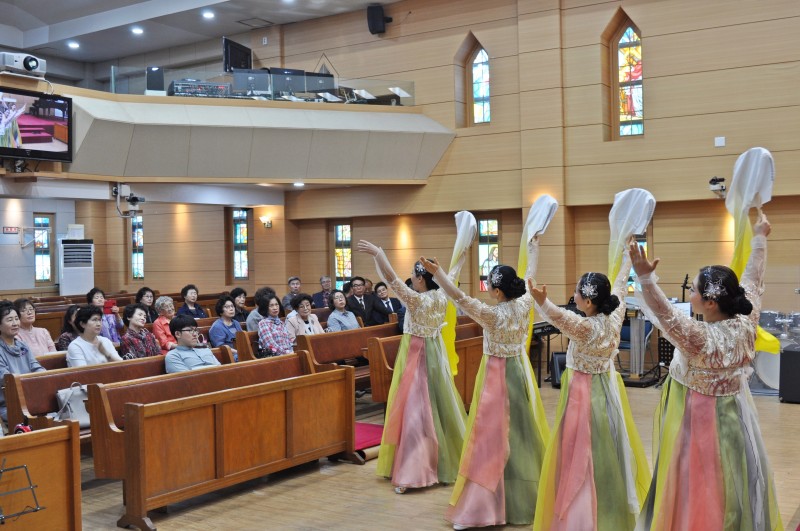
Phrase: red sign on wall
pixel 10 230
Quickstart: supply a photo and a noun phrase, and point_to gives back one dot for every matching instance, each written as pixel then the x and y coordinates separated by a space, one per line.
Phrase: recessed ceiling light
pixel 136 30
pixel 208 14
pixel 299 185
pixel 74 45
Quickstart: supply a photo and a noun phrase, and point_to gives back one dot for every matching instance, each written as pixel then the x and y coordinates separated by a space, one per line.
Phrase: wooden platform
pixel 324 495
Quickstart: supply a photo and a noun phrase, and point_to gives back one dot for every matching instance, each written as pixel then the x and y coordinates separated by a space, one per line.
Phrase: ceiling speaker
pixel 376 21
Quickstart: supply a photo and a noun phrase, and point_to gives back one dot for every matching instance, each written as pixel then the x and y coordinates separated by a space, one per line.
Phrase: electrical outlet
pixel 719 141
pixel 264 41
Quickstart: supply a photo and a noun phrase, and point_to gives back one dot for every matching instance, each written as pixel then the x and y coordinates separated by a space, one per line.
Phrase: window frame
pixel 51 217
pixel 477 254
pixel 134 249
pixel 230 244
pixel 615 83
pixel 468 89
pixel 339 281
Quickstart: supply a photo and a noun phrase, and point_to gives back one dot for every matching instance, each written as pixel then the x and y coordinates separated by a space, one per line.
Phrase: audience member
pixel 190 306
pixel 347 288
pixel 68 330
pixel 37 339
pixel 138 341
pixel 294 290
pixel 273 337
pixel 147 297
pixel 90 348
pixel 340 318
pixel 166 311
pixel 15 356
pixel 364 305
pixel 303 322
pixel 392 304
pixel 321 299
pixel 109 316
pixel 261 299
pixel 239 297
pixel 223 331
pixel 368 289
pixel 187 356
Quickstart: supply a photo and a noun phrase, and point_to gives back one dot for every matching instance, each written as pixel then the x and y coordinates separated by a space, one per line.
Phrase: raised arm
pixel 409 297
pixel 620 289
pixel 753 277
pixel 480 312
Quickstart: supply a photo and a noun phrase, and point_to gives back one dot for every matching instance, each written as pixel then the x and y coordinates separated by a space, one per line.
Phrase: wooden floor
pixel 324 495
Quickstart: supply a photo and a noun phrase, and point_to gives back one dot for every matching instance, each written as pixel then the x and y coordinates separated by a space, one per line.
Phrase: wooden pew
pixel 338 347
pixel 52 322
pixel 173 437
pixel 54 360
pixel 32 395
pixel 382 353
pixel 52 457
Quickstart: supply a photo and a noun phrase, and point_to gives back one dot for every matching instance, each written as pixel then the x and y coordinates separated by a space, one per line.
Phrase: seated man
pixel 364 305
pixel 391 303
pixel 321 299
pixel 187 356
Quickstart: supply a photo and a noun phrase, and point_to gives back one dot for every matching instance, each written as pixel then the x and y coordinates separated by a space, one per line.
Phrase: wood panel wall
pixel 711 69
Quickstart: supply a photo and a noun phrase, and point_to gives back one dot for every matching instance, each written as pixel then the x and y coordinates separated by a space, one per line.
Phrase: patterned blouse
pixel 138 345
pixel 273 338
pixel 710 358
pixel 594 341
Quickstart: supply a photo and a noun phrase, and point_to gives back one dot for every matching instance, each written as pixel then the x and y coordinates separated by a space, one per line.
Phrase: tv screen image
pixel 235 55
pixel 35 125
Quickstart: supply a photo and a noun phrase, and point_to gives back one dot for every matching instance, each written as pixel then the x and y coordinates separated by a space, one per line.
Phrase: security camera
pixel 715 184
pixel 23 64
pixel 134 201
pixel 123 191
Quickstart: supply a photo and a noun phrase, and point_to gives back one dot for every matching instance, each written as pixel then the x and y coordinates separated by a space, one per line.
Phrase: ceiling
pixel 103 27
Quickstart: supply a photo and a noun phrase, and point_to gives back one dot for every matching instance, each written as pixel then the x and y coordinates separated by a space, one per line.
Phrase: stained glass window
pixel 240 263
pixel 488 249
pixel 137 247
pixel 629 63
pixel 481 108
pixel 42 247
pixel 342 244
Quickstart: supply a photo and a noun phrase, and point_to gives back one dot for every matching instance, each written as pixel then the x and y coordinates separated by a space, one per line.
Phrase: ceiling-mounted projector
pixel 22 63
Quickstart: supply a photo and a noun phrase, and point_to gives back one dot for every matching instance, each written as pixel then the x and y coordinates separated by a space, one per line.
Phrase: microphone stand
pixel 684 287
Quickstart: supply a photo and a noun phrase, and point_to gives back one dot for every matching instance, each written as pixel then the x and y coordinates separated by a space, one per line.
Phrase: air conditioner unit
pixel 76 274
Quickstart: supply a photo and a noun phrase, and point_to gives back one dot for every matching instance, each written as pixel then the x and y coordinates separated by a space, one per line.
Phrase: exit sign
pixel 10 230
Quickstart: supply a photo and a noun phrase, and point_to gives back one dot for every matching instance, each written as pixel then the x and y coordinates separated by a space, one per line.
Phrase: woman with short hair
pixel 340 317
pixel 166 311
pixel 273 338
pixel 190 306
pixel 138 341
pixel 15 356
pixel 239 296
pixel 111 322
pixel 224 329
pixel 303 323
pixel 68 330
pixel 90 348
pixel 146 297
pixel 37 339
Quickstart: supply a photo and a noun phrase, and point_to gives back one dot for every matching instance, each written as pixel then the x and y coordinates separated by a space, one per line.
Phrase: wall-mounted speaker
pixel 559 365
pixel 155 78
pixel 376 21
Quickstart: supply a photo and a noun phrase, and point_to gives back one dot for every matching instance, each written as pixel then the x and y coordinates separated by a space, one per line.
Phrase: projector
pixel 22 64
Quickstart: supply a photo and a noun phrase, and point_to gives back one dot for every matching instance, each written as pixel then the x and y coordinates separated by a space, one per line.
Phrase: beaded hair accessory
pixel 589 290
pixel 714 290
pixel 419 269
pixel 496 277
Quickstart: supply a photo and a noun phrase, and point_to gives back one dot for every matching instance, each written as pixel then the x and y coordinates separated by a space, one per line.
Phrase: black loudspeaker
pixel 375 19
pixel 789 381
pixel 155 78
pixel 558 364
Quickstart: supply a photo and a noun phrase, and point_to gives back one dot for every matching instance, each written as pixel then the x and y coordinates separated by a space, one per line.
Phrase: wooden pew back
pixel 52 361
pixel 339 346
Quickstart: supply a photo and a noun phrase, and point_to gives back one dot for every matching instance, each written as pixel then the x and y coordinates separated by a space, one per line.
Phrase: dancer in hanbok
pixel 595 472
pixel 498 476
pixel 710 467
pixel 425 416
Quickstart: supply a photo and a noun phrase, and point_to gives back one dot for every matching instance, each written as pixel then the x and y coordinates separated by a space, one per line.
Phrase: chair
pixel 625 339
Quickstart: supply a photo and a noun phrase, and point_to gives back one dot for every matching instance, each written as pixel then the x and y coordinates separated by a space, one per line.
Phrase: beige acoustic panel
pixel 104 148
pixel 387 155
pixel 539 31
pixel 280 153
pixel 156 150
pixel 157 114
pixel 540 70
pixel 337 155
pixel 431 151
pixel 220 151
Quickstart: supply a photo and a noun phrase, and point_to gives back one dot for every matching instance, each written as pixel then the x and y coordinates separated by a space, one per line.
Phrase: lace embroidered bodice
pixel 424 311
pixel 594 341
pixel 710 358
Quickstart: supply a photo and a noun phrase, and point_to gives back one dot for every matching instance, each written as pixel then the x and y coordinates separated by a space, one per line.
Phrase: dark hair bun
pixel 516 288
pixel 742 303
pixel 610 304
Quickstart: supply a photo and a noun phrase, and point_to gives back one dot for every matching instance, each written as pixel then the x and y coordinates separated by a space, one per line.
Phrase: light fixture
pixel 208 15
pixel 136 30
pixel 299 185
pixel 267 221
pixel 74 45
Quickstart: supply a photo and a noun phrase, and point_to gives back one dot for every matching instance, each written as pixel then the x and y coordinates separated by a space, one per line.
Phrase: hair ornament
pixel 589 291
pixel 419 269
pixel 714 290
pixel 496 277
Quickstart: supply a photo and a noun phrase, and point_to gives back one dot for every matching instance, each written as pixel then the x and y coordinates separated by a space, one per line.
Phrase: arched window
pixel 481 106
pixel 628 74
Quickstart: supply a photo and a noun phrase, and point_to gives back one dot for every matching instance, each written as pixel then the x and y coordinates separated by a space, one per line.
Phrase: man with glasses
pixel 322 298
pixel 365 305
pixel 187 356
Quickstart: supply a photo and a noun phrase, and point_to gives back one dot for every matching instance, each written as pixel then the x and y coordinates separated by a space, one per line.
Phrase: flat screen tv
pixel 251 82
pixel 235 55
pixel 287 81
pixel 35 125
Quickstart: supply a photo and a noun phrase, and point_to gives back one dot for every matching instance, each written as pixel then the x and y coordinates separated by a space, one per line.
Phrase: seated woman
pixel 68 330
pixel 239 296
pixel 273 338
pixel 138 341
pixel 90 348
pixel 340 318
pixel 166 311
pixel 223 331
pixel 15 356
pixel 190 306
pixel 261 298
pixel 146 297
pixel 111 322
pixel 303 322
pixel 37 339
